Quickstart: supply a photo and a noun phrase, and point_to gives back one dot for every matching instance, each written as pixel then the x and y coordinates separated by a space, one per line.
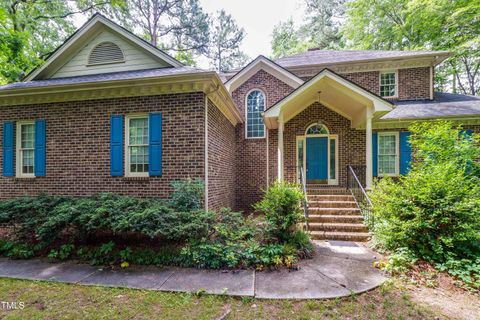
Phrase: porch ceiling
pixel 334 92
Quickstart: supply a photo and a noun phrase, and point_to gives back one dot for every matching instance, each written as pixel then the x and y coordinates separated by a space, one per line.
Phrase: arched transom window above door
pixel 255 105
pixel 317 128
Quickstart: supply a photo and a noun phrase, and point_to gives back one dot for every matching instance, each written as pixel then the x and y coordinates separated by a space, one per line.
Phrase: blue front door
pixel 317 159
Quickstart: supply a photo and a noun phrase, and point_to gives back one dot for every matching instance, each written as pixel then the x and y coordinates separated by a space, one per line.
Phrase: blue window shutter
pixel 40 148
pixel 8 167
pixel 155 145
pixel 375 154
pixel 116 145
pixel 405 152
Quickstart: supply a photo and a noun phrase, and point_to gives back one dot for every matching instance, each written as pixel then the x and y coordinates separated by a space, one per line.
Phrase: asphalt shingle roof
pixel 443 105
pixel 315 57
pixel 123 75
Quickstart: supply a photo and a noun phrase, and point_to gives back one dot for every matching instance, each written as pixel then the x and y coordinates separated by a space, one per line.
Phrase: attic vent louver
pixel 106 52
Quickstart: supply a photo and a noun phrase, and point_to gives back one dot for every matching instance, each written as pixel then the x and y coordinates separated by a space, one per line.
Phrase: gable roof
pixel 444 105
pixel 328 57
pixel 75 42
pixel 337 93
pixel 102 77
pixel 262 63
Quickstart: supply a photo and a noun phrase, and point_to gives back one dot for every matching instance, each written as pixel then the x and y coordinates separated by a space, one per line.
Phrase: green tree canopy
pixel 422 25
pixel 224 43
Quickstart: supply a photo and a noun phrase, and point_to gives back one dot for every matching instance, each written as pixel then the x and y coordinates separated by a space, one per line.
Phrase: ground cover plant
pixel 109 229
pixel 433 212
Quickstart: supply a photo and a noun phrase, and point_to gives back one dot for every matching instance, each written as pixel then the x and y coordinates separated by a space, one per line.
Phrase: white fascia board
pixel 262 63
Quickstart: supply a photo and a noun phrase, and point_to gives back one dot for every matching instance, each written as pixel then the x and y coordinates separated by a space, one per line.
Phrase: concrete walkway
pixel 338 269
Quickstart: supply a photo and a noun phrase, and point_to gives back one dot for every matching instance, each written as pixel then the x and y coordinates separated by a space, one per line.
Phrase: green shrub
pixel 188 194
pixel 433 211
pixel 282 208
pixel 46 219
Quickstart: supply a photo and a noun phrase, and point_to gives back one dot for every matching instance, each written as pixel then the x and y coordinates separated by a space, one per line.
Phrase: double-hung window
pixel 137 161
pixel 26 149
pixel 388 84
pixel 388 158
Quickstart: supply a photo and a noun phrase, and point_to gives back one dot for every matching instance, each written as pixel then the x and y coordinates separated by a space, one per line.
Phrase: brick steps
pixel 330 197
pixel 334 219
pixel 344 236
pixel 332 204
pixel 339 227
pixel 334 215
pixel 334 211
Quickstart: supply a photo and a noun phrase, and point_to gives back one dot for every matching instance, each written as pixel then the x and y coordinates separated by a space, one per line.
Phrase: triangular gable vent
pixel 106 52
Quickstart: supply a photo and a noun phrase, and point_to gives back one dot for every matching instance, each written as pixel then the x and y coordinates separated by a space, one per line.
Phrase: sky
pixel 257 17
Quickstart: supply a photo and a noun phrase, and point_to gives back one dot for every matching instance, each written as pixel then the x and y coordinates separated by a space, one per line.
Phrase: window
pixel 388 84
pixel 317 129
pixel 137 146
pixel 333 158
pixel 255 106
pixel 387 154
pixel 26 149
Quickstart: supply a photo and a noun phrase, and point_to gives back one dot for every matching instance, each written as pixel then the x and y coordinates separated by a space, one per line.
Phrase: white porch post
pixel 280 148
pixel 368 149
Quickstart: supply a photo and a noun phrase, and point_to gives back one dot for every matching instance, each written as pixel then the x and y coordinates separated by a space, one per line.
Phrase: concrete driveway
pixel 338 269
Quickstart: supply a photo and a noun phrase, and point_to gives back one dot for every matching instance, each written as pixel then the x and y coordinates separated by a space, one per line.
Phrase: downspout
pixel 207 94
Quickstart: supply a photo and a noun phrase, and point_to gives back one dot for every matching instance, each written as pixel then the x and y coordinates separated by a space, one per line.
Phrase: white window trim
pixel 246 113
pixel 380 83
pixel 397 153
pixel 18 160
pixel 127 145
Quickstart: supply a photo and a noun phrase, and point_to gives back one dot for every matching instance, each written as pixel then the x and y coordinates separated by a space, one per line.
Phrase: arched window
pixel 106 52
pixel 317 128
pixel 255 106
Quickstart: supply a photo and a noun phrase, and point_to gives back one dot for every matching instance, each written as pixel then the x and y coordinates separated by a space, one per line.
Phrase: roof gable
pixel 71 58
pixel 263 63
pixel 335 92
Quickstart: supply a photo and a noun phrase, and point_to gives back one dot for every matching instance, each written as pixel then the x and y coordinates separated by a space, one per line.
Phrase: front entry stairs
pixel 333 214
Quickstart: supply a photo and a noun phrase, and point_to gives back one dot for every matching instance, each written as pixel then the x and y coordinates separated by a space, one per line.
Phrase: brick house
pixel 108 112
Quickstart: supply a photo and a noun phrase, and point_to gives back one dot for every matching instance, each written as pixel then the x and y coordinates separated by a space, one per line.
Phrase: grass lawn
pixel 48 300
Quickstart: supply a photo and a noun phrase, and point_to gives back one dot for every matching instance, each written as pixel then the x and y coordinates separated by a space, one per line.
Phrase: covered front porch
pixel 321 128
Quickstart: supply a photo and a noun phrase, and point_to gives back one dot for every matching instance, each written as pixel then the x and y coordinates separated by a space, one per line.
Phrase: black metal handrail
pixel 305 199
pixel 360 196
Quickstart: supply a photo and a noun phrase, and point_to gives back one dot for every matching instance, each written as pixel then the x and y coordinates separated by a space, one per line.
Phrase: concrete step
pixel 334 211
pixel 345 236
pixel 332 204
pixel 338 227
pixel 330 197
pixel 334 218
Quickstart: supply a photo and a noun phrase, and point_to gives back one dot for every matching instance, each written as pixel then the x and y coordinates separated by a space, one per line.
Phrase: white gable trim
pixel 94 21
pixel 263 63
pixel 378 103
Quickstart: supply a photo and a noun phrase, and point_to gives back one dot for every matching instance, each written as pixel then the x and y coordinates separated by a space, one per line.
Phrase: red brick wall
pixel 221 160
pixel 351 142
pixel 252 153
pixel 413 83
pixel 78 145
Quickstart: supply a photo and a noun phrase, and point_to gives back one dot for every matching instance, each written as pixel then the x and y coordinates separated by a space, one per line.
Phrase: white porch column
pixel 368 149
pixel 280 148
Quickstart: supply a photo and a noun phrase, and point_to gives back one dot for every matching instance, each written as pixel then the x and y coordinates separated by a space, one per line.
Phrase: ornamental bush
pixel 43 220
pixel 434 211
pixel 281 206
